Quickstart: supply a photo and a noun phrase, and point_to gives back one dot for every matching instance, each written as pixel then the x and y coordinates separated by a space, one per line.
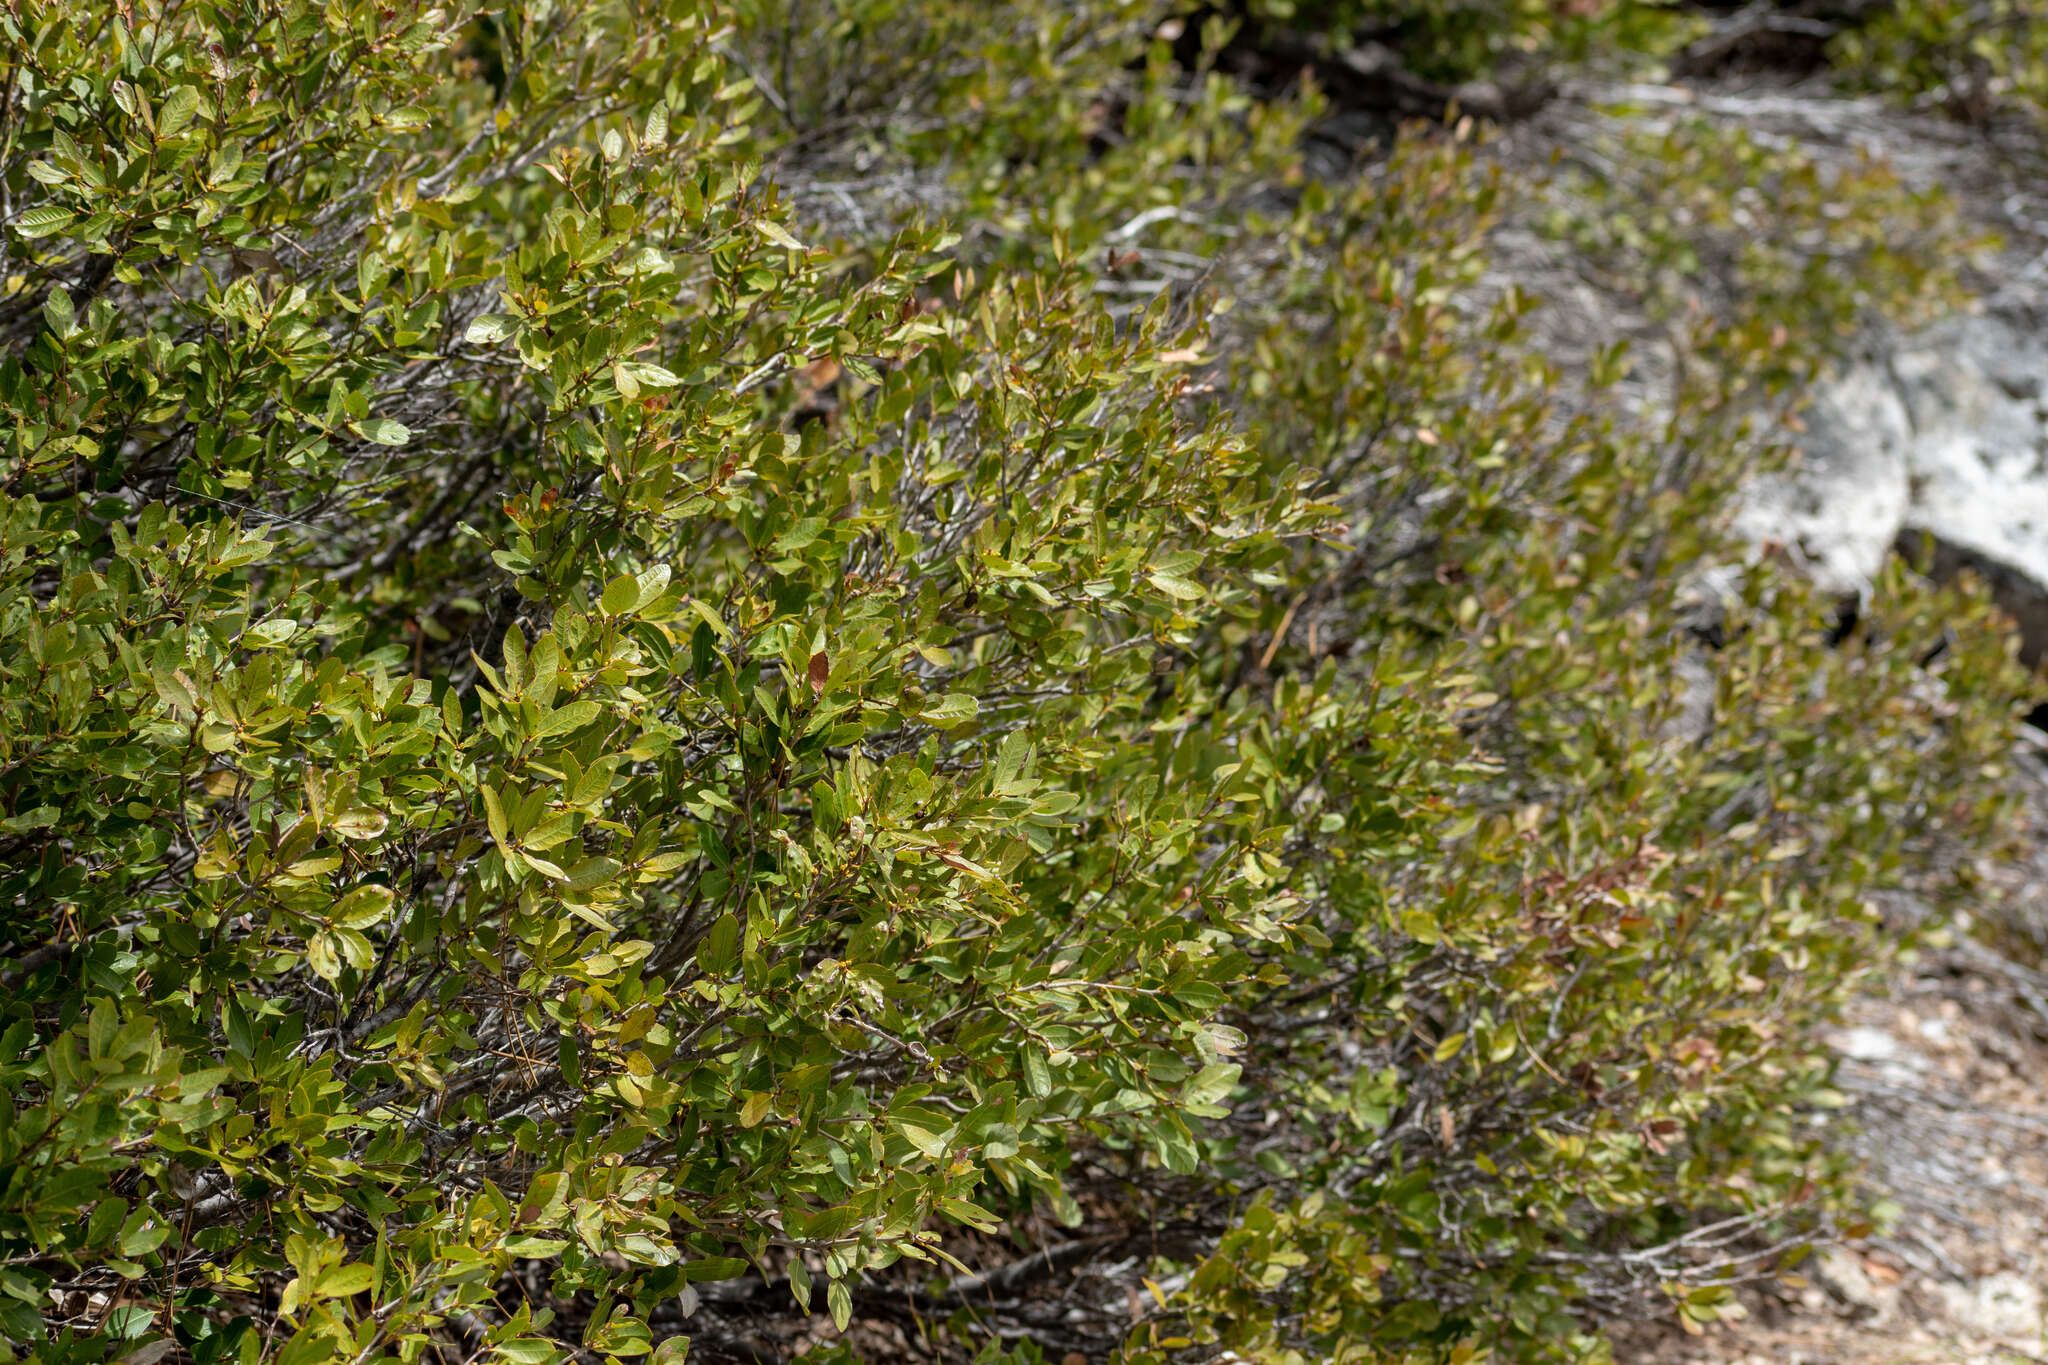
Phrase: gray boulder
pixel 1937 447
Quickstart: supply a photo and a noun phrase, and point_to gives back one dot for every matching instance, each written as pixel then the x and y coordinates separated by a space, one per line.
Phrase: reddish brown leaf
pixel 821 669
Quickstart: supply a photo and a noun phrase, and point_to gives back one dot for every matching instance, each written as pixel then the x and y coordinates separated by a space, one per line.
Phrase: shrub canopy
pixel 665 663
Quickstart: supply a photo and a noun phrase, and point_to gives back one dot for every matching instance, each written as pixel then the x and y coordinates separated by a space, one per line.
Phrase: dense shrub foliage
pixel 1454 40
pixel 1972 58
pixel 665 667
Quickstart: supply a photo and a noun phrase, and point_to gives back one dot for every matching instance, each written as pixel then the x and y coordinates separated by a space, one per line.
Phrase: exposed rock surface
pixel 1937 446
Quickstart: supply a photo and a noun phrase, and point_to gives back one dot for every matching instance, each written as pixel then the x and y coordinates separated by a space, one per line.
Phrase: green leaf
pixel 778 234
pixel 494 815
pixel 345 1280
pixel 552 871
pixel 563 719
pixel 1037 1075
pixel 41 222
pixel 970 1213
pixel 926 1129
pixel 953 709
pixel 176 112
pixel 621 595
pixel 1175 587
pixel 488 329
pixel 647 376
pixel 382 430
pixel 653 582
pixel 1176 1146
pixel 359 824
pixel 798 536
pixel 321 956
pixel 720 948
pixel 362 907
pixel 533 1248
pixel 58 312
pixel 593 872
pixel 1212 1084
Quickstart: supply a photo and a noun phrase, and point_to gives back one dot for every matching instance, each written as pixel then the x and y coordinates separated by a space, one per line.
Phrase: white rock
pixel 1866 1044
pixel 2002 1305
pixel 1945 435
pixel 1840 509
